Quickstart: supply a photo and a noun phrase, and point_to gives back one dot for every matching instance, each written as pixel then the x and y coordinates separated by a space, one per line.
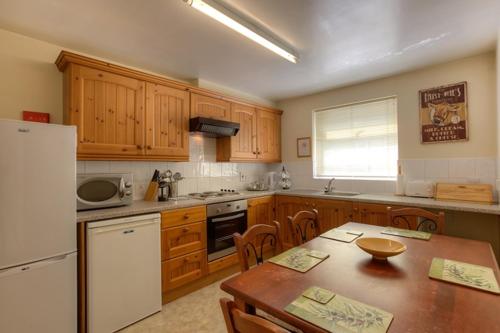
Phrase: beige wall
pixel 479 72
pixel 30 80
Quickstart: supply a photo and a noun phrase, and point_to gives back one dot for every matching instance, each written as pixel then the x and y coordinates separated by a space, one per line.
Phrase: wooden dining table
pixel 400 285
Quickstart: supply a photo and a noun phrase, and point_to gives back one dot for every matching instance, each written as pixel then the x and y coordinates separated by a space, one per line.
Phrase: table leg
pixel 247 308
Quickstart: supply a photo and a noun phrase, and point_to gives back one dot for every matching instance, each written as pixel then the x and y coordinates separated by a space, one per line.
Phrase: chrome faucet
pixel 329 188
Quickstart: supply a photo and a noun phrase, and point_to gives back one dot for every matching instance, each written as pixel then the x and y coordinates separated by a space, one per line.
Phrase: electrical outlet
pixel 243 177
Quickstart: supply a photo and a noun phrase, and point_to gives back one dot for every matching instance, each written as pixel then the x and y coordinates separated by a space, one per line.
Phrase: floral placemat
pixel 407 233
pixel 299 259
pixel 341 314
pixel 474 276
pixel 342 235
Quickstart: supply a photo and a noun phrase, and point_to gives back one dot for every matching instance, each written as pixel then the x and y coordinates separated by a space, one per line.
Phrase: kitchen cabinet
pixel 182 270
pixel 182 240
pixel 108 110
pixel 375 214
pixel 268 136
pixel 210 107
pixel 125 114
pixel 242 146
pixel 260 210
pixel 331 213
pixel 183 246
pixel 167 122
pixel 259 137
pixel 288 206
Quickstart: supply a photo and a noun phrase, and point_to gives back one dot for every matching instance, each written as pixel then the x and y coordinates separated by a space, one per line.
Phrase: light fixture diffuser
pixel 233 21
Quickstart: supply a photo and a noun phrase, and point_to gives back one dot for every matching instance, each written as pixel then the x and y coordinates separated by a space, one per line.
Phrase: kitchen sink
pixel 341 193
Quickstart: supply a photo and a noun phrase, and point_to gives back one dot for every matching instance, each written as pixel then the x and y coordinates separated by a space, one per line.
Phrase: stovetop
pixel 212 194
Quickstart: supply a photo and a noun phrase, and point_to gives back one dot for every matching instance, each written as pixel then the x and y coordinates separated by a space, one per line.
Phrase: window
pixel 357 140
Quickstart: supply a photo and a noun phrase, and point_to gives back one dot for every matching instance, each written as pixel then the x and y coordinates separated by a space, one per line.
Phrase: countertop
pixel 144 207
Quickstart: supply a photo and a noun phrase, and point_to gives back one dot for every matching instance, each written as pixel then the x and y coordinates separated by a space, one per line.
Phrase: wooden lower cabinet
pixel 260 210
pixel 179 271
pixel 182 240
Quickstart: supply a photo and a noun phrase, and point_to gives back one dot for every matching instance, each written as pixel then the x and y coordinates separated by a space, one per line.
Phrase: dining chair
pixel 304 226
pixel 238 321
pixel 255 241
pixel 416 219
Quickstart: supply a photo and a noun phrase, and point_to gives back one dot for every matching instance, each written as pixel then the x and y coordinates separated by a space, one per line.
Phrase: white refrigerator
pixel 37 228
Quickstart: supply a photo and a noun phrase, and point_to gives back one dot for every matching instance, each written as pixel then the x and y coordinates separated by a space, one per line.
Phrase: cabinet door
pixel 209 107
pixel 179 271
pixel 331 213
pixel 288 206
pixel 374 214
pixel 261 210
pixel 183 240
pixel 108 112
pixel 244 144
pixel 268 135
pixel 167 122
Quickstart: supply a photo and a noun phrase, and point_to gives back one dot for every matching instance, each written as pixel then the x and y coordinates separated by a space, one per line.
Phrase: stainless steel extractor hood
pixel 213 127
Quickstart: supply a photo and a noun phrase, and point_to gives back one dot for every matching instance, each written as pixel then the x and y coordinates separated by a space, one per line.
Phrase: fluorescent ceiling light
pixel 237 24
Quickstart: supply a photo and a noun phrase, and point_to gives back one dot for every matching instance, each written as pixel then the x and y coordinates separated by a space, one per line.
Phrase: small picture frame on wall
pixel 304 147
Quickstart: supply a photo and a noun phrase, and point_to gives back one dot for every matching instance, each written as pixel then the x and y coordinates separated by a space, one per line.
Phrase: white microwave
pixel 103 190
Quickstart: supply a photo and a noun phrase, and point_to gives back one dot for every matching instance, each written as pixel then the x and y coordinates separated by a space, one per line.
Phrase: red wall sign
pixel 36 116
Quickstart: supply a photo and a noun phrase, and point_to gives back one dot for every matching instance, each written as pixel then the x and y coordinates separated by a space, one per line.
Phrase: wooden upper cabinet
pixel 167 122
pixel 268 136
pixel 210 107
pixel 108 110
pixel 258 138
pixel 244 144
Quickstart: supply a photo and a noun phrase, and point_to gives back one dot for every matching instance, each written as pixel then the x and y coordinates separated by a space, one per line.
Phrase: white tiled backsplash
pixel 201 173
pixel 458 170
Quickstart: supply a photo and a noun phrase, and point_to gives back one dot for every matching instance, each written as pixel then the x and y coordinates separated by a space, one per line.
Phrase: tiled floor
pixel 198 312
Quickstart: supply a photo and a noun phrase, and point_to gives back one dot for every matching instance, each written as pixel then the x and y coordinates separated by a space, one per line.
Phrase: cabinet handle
pixel 186 216
pixel 139 147
pixel 185 229
pixel 149 147
pixel 254 152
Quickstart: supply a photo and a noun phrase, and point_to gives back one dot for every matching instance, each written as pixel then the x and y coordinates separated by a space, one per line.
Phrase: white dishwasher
pixel 123 271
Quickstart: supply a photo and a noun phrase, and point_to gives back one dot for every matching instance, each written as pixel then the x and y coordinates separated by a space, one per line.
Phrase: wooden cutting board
pixel 480 193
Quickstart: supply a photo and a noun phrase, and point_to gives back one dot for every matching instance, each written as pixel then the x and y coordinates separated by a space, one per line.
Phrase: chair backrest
pixel 238 321
pixel 416 219
pixel 304 226
pixel 256 240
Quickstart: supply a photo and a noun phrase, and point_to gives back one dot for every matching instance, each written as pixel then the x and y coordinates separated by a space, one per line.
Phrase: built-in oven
pixel 223 220
pixel 103 190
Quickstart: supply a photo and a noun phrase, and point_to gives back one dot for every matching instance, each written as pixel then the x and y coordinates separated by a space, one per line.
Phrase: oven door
pixel 98 192
pixel 220 230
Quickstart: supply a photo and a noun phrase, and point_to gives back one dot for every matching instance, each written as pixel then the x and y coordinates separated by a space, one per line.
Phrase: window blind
pixel 356 141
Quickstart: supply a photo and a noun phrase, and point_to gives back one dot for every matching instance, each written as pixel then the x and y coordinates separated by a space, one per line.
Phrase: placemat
pixel 299 259
pixel 474 276
pixel 407 233
pixel 341 314
pixel 341 235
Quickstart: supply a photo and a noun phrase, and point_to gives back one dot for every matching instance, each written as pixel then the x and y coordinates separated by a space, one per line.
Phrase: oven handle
pixel 227 218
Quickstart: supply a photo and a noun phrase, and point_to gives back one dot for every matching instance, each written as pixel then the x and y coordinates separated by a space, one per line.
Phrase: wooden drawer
pixel 179 271
pixel 177 217
pixel 182 240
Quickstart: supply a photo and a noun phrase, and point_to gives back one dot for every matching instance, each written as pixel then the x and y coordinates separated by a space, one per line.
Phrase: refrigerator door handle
pixel 28 267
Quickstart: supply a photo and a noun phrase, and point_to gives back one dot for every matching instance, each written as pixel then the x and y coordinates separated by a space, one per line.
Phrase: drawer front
pixel 177 217
pixel 182 240
pixel 179 271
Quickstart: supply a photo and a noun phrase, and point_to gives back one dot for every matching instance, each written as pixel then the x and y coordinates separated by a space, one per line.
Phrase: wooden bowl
pixel 380 248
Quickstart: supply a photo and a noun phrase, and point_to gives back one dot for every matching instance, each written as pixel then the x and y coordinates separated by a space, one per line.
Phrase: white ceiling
pixel 338 41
